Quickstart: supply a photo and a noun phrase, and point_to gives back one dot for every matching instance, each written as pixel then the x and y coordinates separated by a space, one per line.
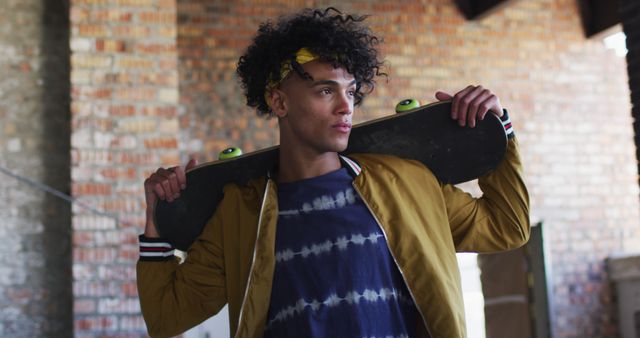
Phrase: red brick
pixel 190 31
pixel 96 323
pixel 166 142
pixel 135 94
pixel 132 158
pixel 167 32
pixel 156 48
pixel 122 110
pixel 165 18
pixel 118 306
pixel 122 205
pixel 166 112
pixel 131 32
pixel 137 125
pixel 161 79
pixel 89 2
pixel 86 60
pixel 131 62
pixel 118 174
pixel 78 15
pixel 132 323
pixel 84 306
pixel 92 189
pixel 135 3
pixel 79 109
pixel 94 289
pixel 129 289
pixel 83 157
pixel 109 45
pixel 92 30
pixel 134 221
pixel 82 272
pixel 90 222
pixel 166 4
pixel 100 78
pixel 112 15
pixel 120 272
pixel 82 238
pixel 95 255
pixel 168 64
pixel 129 254
pixel 169 159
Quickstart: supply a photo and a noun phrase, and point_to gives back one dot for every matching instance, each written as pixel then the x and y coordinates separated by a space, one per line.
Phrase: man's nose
pixel 345 106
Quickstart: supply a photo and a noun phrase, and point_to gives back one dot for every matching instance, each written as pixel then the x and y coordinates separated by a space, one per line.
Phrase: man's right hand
pixel 164 184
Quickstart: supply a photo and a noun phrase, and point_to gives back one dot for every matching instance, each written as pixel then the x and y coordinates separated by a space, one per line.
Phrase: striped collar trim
pixel 353 167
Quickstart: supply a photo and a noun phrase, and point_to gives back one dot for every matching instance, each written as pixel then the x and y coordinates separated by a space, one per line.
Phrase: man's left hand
pixel 471 104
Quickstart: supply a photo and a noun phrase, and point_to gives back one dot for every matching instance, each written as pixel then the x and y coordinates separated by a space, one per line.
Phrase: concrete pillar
pixel 35 255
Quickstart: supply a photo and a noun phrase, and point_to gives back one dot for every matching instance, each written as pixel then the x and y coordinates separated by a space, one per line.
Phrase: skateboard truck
pixel 230 152
pixel 406 105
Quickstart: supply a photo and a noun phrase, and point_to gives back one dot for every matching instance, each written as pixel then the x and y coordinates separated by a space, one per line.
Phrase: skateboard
pixel 424 133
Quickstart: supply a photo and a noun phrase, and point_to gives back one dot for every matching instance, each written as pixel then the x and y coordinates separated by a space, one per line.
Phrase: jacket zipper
pixel 253 259
pixel 384 233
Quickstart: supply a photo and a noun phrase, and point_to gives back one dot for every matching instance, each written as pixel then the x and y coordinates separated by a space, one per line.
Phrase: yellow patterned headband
pixel 303 55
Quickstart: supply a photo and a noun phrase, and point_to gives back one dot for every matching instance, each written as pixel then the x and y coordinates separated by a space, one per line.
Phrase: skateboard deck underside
pixel 427 134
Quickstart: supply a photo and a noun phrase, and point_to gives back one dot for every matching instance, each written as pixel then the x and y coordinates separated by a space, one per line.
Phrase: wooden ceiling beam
pixel 598 15
pixel 478 9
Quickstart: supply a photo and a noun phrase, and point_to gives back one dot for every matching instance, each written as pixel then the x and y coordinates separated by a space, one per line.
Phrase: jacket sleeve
pixel 175 297
pixel 497 221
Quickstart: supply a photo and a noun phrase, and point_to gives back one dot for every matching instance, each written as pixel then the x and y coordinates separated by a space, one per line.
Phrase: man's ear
pixel 278 103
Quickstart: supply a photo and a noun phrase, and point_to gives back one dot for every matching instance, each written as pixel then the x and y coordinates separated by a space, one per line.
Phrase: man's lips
pixel 343 127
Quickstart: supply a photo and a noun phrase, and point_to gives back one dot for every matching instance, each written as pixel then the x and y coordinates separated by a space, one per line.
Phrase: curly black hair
pixel 336 38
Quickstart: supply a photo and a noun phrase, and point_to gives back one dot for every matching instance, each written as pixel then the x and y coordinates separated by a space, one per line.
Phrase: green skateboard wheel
pixel 406 105
pixel 229 153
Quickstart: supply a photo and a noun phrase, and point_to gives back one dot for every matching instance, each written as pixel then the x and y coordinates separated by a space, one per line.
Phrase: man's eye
pixel 325 91
pixel 352 93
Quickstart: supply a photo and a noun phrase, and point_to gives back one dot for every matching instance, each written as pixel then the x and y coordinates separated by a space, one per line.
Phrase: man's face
pixel 317 112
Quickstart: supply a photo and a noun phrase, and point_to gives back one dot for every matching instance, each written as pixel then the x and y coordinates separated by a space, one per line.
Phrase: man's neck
pixel 298 165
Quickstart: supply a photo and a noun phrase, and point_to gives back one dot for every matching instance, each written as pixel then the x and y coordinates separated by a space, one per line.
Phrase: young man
pixel 325 245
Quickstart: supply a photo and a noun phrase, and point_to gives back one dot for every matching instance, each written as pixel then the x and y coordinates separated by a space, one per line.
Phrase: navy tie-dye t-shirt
pixel 334 274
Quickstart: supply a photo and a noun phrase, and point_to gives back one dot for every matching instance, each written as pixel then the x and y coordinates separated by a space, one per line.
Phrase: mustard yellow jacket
pixel 424 222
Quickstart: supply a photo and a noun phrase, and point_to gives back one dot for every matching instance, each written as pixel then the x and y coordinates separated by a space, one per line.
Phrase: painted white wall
pixel 214 327
pixel 472 293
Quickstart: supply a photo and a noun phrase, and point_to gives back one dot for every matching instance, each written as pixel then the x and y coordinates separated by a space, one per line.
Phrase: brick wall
pixel 147 92
pixel 212 34
pixel 130 61
pixel 124 125
pixel 568 97
pixel 35 258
